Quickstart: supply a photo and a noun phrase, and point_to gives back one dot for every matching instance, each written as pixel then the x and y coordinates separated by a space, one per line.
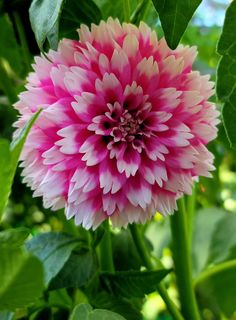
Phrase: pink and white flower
pixel 124 125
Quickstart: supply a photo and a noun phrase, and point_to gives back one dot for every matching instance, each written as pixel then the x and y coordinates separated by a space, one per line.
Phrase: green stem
pixel 126 7
pixel 23 41
pixel 191 203
pixel 105 250
pixel 6 83
pixel 145 257
pixel 214 270
pixel 183 266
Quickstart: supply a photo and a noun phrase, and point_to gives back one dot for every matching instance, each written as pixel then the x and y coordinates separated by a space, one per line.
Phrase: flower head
pixel 124 125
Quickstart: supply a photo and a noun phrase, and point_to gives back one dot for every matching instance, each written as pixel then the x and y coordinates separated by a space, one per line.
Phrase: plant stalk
pixel 183 265
pixel 146 260
pixel 105 250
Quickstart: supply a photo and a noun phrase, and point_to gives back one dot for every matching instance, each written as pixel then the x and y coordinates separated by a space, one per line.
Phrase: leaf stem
pixel 145 257
pixel 105 250
pixel 6 83
pixel 126 7
pixel 182 261
pixel 23 41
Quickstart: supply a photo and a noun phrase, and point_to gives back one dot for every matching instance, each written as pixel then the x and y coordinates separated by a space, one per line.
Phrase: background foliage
pixel 50 269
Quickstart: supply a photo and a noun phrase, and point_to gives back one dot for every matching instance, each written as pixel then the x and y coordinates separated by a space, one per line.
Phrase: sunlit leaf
pixel 21 278
pixel 85 312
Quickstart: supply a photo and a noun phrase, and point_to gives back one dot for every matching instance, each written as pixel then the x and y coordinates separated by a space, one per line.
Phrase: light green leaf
pixel 21 278
pixel 9 159
pixel 175 16
pixel 44 15
pixel 53 249
pixel 85 312
pixel 134 283
pixel 14 237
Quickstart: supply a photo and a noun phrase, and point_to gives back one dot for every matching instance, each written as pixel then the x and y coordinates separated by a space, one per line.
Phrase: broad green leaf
pixel 125 254
pixel 85 312
pixel 44 15
pixel 77 271
pixel 223 241
pixel 14 237
pixel 9 159
pixel 21 278
pixel 226 73
pixel 60 297
pixel 175 16
pixel 53 249
pixel 217 288
pixel 134 283
pixel 205 222
pixel 125 307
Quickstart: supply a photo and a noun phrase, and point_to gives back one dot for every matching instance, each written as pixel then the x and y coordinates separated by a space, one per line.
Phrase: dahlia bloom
pixel 124 125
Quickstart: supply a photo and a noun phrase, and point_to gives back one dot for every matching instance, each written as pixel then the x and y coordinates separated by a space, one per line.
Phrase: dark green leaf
pixel 76 272
pixel 125 307
pixel 175 16
pixel 53 249
pixel 85 312
pixel 44 15
pixel 19 285
pixel 125 254
pixel 13 237
pixel 133 283
pixel 76 12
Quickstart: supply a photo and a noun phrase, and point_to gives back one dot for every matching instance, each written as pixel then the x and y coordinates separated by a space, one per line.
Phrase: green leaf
pixel 77 271
pixel 123 306
pixel 13 237
pixel 175 16
pixel 217 287
pixel 21 278
pixel 53 249
pixel 124 251
pixel 9 159
pixel 133 283
pixel 205 222
pixel 85 312
pixel 226 73
pixel 44 15
pixel 222 247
